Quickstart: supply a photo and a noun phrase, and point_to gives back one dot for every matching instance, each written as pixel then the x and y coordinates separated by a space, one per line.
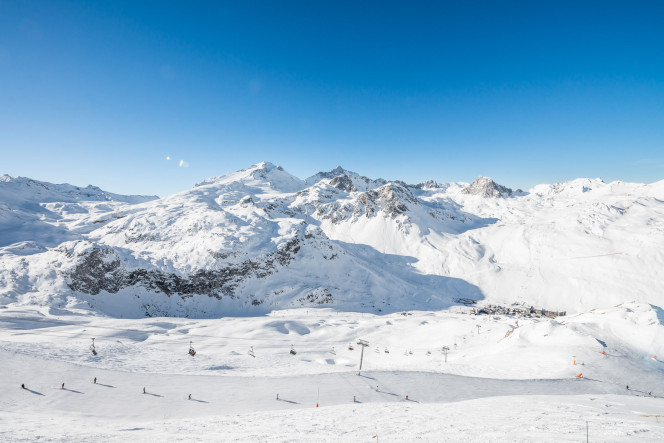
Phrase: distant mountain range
pixel 261 239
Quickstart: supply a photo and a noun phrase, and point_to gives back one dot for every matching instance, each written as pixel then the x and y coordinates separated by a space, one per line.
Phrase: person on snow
pixel 23 385
pixel 63 386
pixel 143 390
pixel 95 380
pixel 189 396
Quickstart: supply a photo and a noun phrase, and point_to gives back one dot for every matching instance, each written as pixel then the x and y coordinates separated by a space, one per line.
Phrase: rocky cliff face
pixel 101 270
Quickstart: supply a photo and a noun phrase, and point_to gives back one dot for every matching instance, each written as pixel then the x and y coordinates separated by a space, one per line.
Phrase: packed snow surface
pixel 514 379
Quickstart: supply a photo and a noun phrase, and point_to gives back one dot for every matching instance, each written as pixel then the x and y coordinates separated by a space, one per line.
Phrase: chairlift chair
pixel 387 351
pixel 350 346
pixel 292 350
pixel 92 347
pixel 192 352
pixel 333 352
pixel 251 352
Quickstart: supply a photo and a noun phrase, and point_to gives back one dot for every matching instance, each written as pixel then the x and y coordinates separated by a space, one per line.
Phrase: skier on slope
pixel 23 385
pixel 63 386
pixel 95 380
pixel 143 390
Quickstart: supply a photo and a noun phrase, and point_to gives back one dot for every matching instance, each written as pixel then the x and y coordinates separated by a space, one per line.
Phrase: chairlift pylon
pixel 192 352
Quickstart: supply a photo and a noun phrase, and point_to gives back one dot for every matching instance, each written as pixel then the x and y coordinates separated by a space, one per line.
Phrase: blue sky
pixel 525 92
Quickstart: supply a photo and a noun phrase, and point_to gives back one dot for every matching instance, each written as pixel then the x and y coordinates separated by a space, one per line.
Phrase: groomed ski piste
pixel 506 378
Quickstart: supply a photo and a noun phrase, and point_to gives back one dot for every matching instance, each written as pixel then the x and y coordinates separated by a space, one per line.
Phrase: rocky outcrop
pixel 344 183
pixel 100 269
pixel 357 182
pixel 487 188
pixel 392 200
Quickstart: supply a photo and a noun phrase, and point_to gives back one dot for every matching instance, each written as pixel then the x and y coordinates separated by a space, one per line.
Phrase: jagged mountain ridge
pixel 262 239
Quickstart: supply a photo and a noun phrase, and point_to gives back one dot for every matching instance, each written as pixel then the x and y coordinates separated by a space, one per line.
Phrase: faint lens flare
pixel 168 157
pixel 183 164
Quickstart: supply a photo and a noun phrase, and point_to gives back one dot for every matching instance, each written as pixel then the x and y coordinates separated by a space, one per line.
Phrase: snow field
pixel 495 386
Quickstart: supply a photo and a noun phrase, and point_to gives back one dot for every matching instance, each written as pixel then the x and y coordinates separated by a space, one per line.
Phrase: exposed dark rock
pixel 319 296
pixel 343 183
pixel 101 270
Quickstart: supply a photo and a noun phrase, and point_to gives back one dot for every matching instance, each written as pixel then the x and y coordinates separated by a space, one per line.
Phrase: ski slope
pixel 521 386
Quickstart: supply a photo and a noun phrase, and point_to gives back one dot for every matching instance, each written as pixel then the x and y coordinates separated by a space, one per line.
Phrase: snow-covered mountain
pixel 261 239
pixel 485 187
pixel 35 215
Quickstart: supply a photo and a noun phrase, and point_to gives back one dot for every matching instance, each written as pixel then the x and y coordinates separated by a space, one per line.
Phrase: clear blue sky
pixel 101 92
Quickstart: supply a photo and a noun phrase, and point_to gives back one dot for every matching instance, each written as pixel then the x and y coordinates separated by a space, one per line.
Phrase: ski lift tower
pixel 445 351
pixel 364 344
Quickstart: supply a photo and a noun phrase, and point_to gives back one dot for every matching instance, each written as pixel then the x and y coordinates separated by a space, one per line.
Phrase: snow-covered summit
pixel 345 180
pixel 487 188
pixel 265 176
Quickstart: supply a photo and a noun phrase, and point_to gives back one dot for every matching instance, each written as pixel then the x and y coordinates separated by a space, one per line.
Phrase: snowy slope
pixel 261 239
pixel 520 386
pixel 35 214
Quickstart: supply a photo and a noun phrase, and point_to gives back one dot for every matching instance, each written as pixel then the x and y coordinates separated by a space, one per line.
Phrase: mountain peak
pixel 323 175
pixel 346 180
pixel 487 188
pixel 264 175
